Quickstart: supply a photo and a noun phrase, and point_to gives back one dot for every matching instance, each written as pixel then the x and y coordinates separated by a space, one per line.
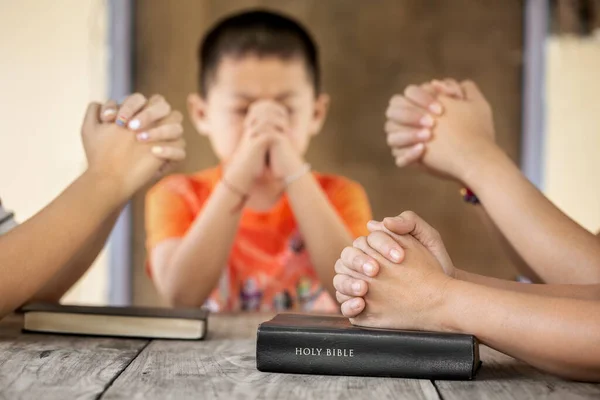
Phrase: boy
pixel 260 231
pixel 42 258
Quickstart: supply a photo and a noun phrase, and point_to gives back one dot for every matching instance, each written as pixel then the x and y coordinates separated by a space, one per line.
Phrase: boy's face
pixel 240 82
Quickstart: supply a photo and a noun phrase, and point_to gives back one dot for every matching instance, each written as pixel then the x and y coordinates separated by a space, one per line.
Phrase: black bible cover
pixel 330 345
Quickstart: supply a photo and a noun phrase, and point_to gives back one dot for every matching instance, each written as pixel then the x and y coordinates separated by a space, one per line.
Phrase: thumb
pixel 472 91
pixel 92 116
pixel 410 223
pixel 448 87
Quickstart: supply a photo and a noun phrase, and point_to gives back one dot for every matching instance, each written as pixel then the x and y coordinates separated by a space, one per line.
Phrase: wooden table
pixel 34 366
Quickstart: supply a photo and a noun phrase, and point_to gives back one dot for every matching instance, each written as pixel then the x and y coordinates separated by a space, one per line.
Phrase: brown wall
pixel 370 50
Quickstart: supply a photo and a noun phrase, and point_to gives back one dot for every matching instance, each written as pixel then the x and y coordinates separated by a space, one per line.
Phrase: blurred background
pixel 537 61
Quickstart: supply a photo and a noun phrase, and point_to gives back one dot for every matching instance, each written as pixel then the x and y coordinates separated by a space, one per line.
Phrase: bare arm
pixel 61 240
pixel 556 248
pixel 562 334
pixel 509 250
pixel 323 230
pixel 66 277
pixel 35 251
pixel 188 269
pixel 584 292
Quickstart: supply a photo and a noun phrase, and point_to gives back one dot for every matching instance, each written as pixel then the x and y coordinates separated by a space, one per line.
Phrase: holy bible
pixel 139 322
pixel 330 345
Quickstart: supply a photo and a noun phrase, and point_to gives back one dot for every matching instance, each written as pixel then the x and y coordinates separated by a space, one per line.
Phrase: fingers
pixel 410 223
pixel 349 286
pixel 361 243
pixel 162 133
pixel 130 107
pixel 385 245
pixel 155 110
pixel 353 307
pixel 408 155
pixel 448 87
pixel 264 131
pixel 170 151
pixel 403 112
pixel 108 112
pixel 174 117
pixel 422 97
pixel 266 110
pixel 403 136
pixel 91 116
pixel 356 260
pixel 278 123
pixel 472 91
pixel 340 297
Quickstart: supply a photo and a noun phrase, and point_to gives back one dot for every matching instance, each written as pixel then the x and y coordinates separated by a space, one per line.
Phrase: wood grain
pixel 48 367
pixel 226 369
pixel 503 377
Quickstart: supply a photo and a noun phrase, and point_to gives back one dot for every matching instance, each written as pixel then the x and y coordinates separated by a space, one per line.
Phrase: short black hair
pixel 256 32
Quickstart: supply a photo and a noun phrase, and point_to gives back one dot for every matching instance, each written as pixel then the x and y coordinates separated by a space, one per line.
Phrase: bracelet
pixel 468 196
pixel 243 196
pixel 288 180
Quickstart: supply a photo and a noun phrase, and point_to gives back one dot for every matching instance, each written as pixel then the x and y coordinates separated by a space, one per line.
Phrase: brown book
pixel 138 322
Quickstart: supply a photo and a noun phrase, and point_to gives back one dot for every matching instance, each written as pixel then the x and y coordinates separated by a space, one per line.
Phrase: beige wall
pixel 53 62
pixel 572 170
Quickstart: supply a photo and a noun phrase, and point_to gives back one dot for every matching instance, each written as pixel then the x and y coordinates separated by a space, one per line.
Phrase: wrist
pixel 301 171
pixel 291 166
pixel 476 170
pixel 238 177
pixel 110 187
pixel 456 303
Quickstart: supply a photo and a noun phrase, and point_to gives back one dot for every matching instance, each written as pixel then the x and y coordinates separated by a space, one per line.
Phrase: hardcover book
pixel 141 322
pixel 330 345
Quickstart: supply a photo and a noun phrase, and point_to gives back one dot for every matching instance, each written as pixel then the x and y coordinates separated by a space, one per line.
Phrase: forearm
pixel 584 292
pixel 323 231
pixel 66 277
pixel 196 265
pixel 557 335
pixel 509 250
pixel 556 248
pixel 35 251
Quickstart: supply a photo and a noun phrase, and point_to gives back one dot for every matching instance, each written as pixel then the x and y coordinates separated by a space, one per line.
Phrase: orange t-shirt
pixel 268 267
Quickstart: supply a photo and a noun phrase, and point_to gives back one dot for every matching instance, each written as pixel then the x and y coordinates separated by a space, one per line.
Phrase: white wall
pixel 572 153
pixel 54 61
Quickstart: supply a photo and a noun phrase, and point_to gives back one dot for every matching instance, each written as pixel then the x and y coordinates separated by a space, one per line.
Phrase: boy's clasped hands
pixel 265 147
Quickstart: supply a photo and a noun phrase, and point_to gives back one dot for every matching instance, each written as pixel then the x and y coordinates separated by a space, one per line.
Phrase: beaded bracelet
pixel 292 178
pixel 468 196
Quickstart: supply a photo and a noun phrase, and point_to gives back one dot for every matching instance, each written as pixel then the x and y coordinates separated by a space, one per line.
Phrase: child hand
pixel 113 151
pixel 272 118
pixel 456 135
pixel 264 146
pixel 404 295
pixel 355 269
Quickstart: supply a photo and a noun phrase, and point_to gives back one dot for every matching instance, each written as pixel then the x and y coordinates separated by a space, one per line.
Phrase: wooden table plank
pixel 503 377
pixel 224 367
pixel 34 366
